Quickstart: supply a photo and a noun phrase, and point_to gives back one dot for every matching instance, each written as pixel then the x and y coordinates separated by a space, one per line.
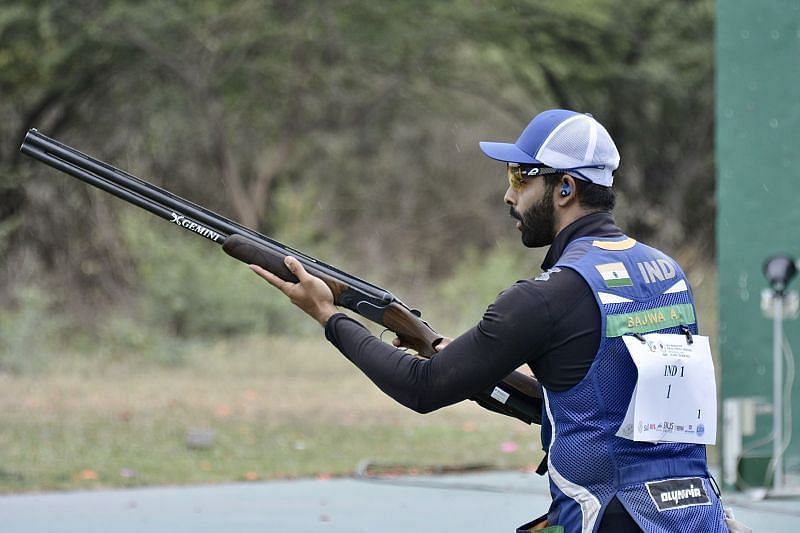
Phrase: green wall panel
pixel 758 187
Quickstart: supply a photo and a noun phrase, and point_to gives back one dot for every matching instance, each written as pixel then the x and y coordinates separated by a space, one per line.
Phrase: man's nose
pixel 510 197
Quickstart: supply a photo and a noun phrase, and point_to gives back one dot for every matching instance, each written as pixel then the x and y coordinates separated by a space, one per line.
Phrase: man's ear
pixel 566 190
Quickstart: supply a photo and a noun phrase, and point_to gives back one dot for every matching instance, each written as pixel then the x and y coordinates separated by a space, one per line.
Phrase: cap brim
pixel 507 152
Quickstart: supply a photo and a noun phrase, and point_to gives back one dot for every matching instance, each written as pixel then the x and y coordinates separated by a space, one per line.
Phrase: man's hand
pixel 439 346
pixel 310 293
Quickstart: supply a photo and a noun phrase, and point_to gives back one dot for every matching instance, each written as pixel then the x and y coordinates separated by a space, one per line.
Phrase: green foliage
pixel 479 277
pixel 26 331
pixel 644 68
pixel 189 288
pixel 139 340
pixel 348 127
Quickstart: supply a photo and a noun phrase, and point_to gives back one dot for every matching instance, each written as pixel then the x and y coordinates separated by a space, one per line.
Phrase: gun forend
pixel 271 258
pixel 380 307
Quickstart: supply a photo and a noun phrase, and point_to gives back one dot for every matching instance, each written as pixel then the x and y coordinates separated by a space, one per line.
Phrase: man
pixel 564 324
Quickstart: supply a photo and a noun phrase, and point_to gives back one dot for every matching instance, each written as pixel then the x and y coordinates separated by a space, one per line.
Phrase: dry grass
pixel 277 407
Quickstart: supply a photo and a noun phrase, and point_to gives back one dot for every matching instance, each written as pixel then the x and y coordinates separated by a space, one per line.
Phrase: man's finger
pixel 442 344
pixel 271 278
pixel 296 268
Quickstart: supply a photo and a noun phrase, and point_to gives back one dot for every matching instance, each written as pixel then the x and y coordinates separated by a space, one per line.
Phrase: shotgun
pixel 517 395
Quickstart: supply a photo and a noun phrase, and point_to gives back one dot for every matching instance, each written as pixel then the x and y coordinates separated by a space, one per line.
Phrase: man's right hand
pixel 439 346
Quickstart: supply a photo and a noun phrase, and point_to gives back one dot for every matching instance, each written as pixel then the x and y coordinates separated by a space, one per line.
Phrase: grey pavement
pixel 477 502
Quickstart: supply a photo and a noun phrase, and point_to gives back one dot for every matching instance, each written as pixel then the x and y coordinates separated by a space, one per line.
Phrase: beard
pixel 538 222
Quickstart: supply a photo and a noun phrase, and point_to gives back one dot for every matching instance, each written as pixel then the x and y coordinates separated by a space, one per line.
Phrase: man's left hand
pixel 310 293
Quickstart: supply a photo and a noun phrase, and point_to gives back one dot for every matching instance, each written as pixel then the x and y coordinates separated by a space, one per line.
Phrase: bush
pixel 193 289
pixel 477 280
pixel 25 330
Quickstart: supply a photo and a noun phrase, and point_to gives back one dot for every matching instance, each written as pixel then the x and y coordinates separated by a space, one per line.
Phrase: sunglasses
pixel 518 175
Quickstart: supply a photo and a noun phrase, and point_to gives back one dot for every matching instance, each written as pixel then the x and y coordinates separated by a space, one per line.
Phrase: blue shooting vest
pixel 588 465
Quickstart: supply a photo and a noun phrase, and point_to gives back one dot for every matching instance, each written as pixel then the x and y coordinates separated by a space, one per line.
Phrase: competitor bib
pixel 675 398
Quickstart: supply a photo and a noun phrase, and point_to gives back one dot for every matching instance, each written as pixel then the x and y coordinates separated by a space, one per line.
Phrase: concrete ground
pixel 477 502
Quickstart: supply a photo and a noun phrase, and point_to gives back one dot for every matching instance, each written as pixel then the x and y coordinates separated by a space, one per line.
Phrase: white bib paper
pixel 675 398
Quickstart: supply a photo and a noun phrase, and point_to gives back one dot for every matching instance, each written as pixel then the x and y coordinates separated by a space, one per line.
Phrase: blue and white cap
pixel 565 140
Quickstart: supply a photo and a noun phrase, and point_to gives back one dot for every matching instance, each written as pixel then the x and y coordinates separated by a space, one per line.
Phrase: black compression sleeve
pixel 479 358
pixel 394 371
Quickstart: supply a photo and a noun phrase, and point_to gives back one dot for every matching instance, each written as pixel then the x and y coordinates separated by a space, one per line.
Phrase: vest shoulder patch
pixel 615 246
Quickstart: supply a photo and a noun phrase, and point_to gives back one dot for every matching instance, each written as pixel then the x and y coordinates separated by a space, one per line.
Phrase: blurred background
pixel 347 129
pixel 132 353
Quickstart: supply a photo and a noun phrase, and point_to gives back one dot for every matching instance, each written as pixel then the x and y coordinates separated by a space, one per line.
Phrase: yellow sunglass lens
pixel 515 177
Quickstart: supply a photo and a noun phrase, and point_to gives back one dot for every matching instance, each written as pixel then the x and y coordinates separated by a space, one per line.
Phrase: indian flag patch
pixel 615 275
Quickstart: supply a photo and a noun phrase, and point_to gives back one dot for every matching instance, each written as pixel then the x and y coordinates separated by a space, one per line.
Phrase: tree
pixel 644 69
pixel 349 127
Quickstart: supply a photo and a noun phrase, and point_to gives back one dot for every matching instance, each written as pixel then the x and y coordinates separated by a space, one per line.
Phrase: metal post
pixel 777 392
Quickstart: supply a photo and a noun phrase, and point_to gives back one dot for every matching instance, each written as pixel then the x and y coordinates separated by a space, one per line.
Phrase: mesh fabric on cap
pixel 581 141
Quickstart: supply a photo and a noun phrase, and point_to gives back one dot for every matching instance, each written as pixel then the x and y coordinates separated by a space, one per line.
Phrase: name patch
pixel 678 493
pixel 649 320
